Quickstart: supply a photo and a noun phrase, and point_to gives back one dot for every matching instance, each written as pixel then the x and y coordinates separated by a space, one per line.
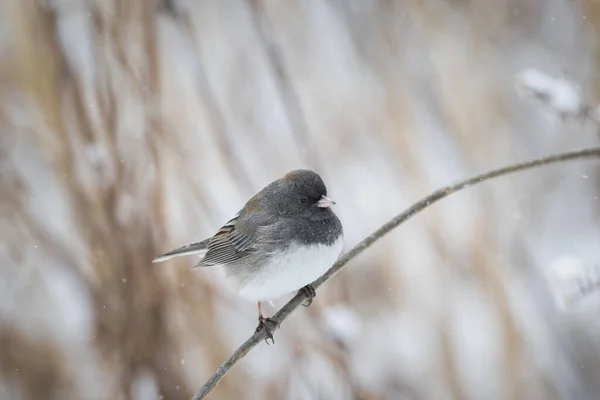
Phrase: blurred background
pixel 128 128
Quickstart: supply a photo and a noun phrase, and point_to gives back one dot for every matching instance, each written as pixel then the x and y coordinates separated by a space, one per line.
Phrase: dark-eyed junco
pixel 282 240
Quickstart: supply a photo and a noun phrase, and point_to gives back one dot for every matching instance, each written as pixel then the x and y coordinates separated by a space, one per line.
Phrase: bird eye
pixel 303 200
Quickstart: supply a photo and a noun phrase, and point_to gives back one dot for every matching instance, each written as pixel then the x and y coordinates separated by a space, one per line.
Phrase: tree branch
pixel 439 194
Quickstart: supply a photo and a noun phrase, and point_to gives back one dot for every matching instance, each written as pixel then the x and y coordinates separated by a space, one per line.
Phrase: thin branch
pixel 439 194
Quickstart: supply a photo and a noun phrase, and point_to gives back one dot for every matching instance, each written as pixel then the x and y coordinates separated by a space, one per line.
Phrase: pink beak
pixel 325 202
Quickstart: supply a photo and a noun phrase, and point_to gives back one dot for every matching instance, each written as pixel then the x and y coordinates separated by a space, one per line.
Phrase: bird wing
pixel 240 236
pixel 227 245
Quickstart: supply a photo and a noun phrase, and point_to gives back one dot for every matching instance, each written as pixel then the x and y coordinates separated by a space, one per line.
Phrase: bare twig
pixel 439 194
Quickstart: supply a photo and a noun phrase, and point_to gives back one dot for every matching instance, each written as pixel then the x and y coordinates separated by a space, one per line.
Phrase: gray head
pixel 299 192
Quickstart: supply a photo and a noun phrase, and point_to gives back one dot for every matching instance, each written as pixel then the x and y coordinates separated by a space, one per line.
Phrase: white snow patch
pixel 559 94
pixel 572 279
pixel 342 323
pixel 144 386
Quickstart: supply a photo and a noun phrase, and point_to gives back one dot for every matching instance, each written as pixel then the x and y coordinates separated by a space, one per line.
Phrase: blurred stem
pixel 283 83
pixel 285 311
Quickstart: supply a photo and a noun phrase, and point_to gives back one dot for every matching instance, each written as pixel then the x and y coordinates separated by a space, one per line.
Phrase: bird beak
pixel 325 202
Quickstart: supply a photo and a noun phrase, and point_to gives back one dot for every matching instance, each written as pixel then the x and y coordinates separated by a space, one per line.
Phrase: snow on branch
pixel 560 95
pixel 572 280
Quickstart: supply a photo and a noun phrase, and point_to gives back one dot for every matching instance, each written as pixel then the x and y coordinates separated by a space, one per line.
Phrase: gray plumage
pixel 285 218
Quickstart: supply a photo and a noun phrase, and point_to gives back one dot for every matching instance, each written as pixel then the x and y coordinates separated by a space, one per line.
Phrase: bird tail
pixel 194 248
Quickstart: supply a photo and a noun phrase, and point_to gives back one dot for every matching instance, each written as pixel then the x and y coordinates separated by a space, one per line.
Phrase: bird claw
pixel 310 292
pixel 263 325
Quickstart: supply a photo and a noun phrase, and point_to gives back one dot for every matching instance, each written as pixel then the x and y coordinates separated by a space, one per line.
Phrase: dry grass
pixel 129 127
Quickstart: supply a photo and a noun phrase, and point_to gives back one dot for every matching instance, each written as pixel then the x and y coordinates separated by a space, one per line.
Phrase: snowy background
pixel 128 128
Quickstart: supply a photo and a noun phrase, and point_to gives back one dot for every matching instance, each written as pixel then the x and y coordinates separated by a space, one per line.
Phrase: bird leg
pixel 263 324
pixel 310 292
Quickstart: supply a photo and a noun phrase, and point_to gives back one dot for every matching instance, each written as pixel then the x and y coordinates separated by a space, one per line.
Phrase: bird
pixel 283 239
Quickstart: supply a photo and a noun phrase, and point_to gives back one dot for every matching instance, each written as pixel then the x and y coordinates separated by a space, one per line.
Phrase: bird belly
pixel 288 271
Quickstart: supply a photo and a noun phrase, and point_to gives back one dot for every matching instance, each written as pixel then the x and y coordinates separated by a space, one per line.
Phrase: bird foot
pixel 263 325
pixel 310 292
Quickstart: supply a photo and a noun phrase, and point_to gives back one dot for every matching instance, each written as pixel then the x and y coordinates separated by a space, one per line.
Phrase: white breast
pixel 290 271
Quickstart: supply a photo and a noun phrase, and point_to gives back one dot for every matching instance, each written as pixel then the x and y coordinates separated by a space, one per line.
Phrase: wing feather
pixel 228 245
pixel 242 235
